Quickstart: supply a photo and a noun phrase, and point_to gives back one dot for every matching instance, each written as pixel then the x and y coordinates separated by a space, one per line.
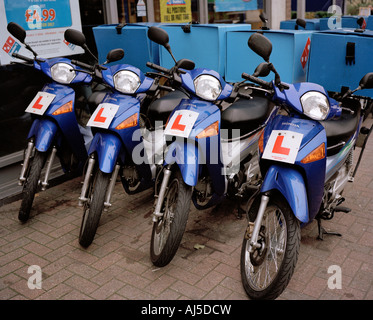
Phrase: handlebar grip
pixel 19 56
pixel 256 80
pixel 156 67
pixel 83 65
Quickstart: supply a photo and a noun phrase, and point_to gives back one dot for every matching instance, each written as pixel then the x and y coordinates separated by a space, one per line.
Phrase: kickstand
pixel 322 231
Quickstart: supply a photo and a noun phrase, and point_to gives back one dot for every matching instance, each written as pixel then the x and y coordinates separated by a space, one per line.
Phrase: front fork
pixel 26 164
pixel 254 228
pixel 83 195
pixel 162 191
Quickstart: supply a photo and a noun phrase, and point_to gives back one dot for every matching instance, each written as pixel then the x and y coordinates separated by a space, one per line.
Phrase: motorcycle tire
pixel 93 209
pixel 168 231
pixel 31 185
pixel 266 272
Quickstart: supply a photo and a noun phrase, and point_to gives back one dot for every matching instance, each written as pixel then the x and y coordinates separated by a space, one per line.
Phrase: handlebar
pixel 83 65
pixel 19 56
pixel 157 67
pixel 256 80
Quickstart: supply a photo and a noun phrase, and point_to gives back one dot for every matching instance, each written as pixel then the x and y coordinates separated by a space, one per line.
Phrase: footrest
pixel 342 209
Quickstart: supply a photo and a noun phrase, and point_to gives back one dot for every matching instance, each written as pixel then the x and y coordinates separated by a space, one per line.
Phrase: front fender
pixel 185 154
pixel 290 183
pixel 43 131
pixel 108 147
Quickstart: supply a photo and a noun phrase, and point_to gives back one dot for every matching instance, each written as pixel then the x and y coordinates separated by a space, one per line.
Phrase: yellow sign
pixel 176 11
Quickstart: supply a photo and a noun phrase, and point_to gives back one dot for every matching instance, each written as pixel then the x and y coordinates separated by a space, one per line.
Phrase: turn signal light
pixel 211 130
pixel 67 107
pixel 316 154
pixel 261 142
pixel 128 123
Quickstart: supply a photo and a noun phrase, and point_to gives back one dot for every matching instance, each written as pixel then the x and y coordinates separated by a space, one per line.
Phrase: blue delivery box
pixel 341 57
pixel 132 38
pixel 290 51
pixel 205 44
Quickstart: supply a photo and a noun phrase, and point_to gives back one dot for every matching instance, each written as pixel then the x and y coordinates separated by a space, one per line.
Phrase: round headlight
pixel 315 105
pixel 62 73
pixel 126 81
pixel 207 87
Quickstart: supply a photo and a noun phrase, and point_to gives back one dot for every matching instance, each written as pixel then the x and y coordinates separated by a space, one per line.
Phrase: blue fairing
pixel 190 153
pixel 189 77
pixel 67 122
pixel 313 173
pixel 108 75
pixel 45 66
pixel 292 96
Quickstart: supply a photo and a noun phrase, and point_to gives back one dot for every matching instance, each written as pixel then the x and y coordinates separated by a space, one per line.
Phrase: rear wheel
pixel 93 207
pixel 168 231
pixel 31 185
pixel 267 270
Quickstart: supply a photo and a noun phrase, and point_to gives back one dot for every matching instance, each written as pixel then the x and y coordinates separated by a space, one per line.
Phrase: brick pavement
pixel 117 264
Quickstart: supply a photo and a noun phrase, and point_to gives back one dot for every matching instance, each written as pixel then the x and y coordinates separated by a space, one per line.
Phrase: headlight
pixel 207 87
pixel 126 81
pixel 62 72
pixel 315 105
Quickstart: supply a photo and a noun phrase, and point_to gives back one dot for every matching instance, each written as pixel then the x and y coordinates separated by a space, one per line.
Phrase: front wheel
pixel 31 185
pixel 169 229
pixel 93 207
pixel 267 270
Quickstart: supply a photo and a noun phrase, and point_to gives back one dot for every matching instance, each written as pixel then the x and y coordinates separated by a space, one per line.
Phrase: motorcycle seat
pixel 160 109
pixel 246 115
pixel 340 130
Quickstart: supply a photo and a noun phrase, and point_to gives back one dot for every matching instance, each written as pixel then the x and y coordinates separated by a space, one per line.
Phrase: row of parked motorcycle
pixel 284 151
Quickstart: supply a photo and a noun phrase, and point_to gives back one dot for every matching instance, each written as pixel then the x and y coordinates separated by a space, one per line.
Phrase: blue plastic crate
pixel 205 44
pixel 311 24
pixel 347 22
pixel 341 58
pixel 288 47
pixel 132 38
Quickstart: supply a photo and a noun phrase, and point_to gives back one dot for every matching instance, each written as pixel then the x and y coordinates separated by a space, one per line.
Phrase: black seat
pixel 161 108
pixel 340 130
pixel 246 115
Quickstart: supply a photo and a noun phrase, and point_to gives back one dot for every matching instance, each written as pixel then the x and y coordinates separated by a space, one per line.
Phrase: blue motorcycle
pixel 128 138
pixel 306 160
pixel 55 129
pixel 211 154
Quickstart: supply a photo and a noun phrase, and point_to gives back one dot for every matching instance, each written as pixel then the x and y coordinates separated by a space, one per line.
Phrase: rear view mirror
pixel 301 23
pixel 260 45
pixel 367 81
pixel 262 70
pixel 114 55
pixel 185 64
pixel 75 37
pixel 17 31
pixel 158 35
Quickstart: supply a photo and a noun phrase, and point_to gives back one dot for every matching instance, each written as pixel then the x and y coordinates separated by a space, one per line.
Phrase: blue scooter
pixel 127 142
pixel 306 160
pixel 55 130
pixel 211 153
